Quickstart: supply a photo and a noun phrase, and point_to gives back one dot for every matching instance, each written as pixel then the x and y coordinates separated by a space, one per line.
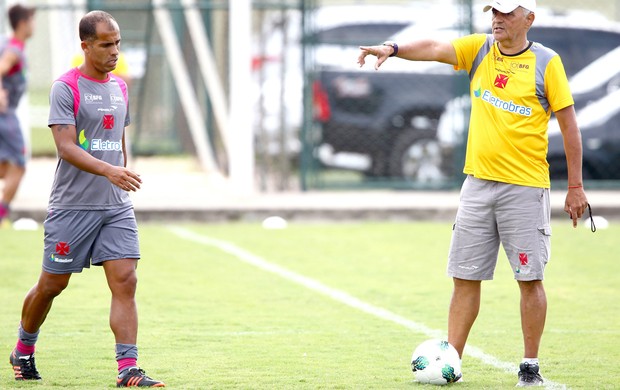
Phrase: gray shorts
pixel 76 238
pixel 491 213
pixel 12 146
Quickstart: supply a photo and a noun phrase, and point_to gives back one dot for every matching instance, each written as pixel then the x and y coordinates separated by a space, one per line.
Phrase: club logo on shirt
pixel 108 121
pixel 90 98
pixel 62 248
pixel 501 80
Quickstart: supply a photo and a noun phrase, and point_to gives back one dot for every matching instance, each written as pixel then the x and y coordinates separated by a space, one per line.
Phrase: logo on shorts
pixel 62 248
pixel 523 258
pixel 470 268
pixel 108 121
pixel 55 259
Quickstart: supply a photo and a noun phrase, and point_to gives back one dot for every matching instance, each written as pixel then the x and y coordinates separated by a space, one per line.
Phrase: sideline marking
pixel 343 297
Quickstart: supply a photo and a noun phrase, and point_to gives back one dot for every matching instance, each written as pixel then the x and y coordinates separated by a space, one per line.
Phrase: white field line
pixel 342 297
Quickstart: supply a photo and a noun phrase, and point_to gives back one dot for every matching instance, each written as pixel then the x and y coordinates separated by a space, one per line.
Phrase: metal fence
pixel 319 121
pixel 162 124
pixel 178 54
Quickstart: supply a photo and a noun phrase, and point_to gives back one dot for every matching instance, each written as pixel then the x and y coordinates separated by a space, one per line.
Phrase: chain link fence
pixel 165 62
pixel 404 126
pixel 320 121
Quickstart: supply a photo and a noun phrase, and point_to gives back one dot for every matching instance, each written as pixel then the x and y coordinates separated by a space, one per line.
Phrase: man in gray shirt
pixel 90 216
pixel 12 87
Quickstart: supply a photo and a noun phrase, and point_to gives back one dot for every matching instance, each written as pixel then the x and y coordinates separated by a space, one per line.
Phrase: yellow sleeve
pixel 122 69
pixel 467 48
pixel 77 60
pixel 556 85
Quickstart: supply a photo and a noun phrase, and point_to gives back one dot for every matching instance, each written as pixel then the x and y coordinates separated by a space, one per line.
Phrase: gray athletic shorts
pixel 491 213
pixel 12 146
pixel 76 238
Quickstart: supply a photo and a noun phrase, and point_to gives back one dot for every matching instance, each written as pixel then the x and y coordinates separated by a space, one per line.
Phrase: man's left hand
pixel 575 204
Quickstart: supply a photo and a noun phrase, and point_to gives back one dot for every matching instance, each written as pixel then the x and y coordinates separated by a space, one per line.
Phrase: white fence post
pixel 241 111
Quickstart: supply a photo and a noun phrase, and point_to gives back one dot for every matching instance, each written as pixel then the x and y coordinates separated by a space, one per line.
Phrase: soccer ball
pixel 436 362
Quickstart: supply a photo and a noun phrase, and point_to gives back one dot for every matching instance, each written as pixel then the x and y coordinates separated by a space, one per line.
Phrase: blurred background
pixel 268 93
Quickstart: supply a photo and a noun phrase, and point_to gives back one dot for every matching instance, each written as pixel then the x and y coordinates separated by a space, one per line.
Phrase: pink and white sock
pixel 126 363
pixel 23 349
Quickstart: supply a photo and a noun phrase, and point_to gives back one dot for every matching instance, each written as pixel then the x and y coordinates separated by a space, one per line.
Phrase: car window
pixel 599 112
pixel 576 46
pixel 357 34
pixel 597 73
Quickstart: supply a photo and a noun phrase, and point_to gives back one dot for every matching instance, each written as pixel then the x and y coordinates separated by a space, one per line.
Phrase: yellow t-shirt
pixel 512 99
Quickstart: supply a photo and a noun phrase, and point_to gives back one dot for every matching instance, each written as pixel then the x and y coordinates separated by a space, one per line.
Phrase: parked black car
pixel 599 123
pixel 597 79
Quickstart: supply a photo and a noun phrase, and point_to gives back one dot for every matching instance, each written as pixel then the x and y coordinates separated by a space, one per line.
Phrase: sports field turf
pixel 332 306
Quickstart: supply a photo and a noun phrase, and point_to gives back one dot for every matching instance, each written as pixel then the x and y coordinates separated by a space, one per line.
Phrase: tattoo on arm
pixel 60 128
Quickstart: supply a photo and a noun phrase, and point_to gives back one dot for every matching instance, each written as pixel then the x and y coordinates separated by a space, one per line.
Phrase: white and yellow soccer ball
pixel 436 362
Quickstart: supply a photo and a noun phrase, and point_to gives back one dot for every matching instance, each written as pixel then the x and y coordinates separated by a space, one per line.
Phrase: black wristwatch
pixel 394 46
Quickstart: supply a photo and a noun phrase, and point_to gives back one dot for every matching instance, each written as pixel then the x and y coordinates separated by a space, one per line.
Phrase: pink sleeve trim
pixel 71 79
pixel 123 86
pixel 17 46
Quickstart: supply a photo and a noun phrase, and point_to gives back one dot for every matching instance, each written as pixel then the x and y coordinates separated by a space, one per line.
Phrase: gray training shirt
pixel 14 82
pixel 99 111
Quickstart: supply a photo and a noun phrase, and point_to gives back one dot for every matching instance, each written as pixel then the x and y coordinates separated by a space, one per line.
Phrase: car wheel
pixel 416 156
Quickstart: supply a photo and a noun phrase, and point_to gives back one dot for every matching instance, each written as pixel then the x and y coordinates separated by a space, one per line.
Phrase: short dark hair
pixel 18 12
pixel 88 24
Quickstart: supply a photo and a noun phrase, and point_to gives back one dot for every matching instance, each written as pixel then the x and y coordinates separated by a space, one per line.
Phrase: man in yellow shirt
pixel 515 84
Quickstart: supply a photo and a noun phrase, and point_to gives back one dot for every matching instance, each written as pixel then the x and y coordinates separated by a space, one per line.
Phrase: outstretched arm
pixel 576 201
pixel 422 50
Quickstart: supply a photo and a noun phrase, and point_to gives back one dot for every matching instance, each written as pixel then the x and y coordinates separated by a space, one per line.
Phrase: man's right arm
pixel 66 144
pixel 421 50
pixel 7 61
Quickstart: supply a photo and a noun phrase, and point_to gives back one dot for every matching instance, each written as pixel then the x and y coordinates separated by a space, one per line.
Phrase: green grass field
pixel 209 318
